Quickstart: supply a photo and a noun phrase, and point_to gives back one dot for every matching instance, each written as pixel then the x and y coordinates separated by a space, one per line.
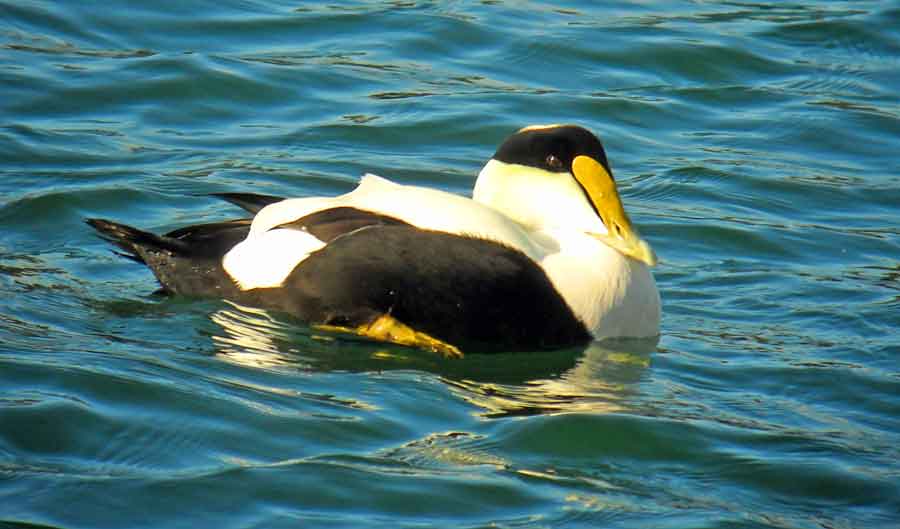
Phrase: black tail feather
pixel 132 241
pixel 186 261
pixel 250 202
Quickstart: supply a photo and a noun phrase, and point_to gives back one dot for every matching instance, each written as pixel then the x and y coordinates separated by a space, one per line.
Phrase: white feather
pixel 425 208
pixel 267 258
pixel 268 255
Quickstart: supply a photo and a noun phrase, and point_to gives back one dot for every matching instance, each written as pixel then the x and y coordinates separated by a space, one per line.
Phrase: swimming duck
pixel 542 256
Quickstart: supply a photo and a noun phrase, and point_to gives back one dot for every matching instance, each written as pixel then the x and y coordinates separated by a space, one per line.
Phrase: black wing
pixel 250 202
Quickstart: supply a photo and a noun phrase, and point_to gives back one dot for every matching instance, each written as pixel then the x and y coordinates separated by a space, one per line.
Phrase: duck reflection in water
pixel 595 378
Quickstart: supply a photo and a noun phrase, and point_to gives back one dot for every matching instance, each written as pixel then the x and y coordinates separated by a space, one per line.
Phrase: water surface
pixel 755 145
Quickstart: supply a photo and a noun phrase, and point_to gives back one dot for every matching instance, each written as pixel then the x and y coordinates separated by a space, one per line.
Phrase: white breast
pixel 613 295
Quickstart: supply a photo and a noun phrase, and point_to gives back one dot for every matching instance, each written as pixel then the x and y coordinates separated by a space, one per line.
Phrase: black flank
pixel 473 293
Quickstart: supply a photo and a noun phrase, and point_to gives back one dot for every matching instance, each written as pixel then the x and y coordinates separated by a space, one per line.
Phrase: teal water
pixel 756 146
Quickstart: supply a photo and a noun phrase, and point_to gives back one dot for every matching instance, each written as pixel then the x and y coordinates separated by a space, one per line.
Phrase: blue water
pixel 756 146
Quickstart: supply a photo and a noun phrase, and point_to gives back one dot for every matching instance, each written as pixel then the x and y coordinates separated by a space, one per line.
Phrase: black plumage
pixel 186 261
pixel 472 293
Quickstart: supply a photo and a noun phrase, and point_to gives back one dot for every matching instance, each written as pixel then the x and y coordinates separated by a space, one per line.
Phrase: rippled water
pixel 755 144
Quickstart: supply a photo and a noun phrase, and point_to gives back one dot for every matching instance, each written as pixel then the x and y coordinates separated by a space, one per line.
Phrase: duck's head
pixel 557 177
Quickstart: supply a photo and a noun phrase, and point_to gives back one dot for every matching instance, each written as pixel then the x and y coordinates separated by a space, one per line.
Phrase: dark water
pixel 755 144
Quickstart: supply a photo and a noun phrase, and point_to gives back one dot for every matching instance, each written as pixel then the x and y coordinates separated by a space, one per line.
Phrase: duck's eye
pixel 553 162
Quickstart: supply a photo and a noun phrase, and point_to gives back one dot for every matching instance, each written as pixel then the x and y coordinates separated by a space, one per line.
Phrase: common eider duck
pixel 542 256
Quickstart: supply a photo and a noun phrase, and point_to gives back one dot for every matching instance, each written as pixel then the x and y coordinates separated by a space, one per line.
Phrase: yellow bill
pixel 602 192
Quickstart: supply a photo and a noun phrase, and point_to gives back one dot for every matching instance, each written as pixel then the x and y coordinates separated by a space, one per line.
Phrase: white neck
pixel 535 198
